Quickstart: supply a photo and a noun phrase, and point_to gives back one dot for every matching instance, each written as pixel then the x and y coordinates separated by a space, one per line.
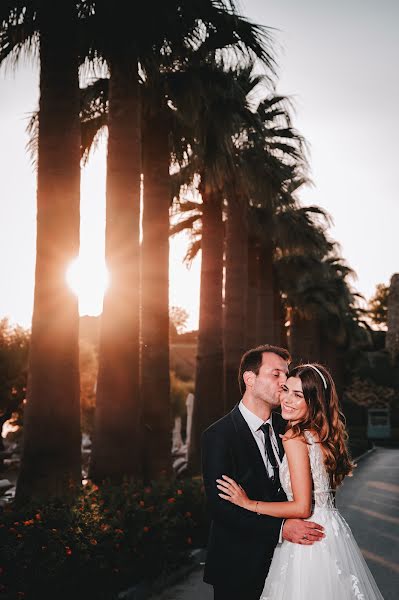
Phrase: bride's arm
pixel 300 507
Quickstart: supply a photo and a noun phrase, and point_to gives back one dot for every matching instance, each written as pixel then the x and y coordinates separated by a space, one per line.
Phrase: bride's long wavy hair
pixel 325 418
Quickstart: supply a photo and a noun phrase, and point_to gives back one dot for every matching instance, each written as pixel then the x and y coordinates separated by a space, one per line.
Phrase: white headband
pixel 319 372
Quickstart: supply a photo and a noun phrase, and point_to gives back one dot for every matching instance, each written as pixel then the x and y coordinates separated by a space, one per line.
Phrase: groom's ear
pixel 249 378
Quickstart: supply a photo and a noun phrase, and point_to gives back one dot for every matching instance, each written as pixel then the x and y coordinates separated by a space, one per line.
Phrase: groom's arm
pixel 217 461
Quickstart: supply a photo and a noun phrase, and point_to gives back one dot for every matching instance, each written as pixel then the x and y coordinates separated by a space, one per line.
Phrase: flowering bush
pixel 110 539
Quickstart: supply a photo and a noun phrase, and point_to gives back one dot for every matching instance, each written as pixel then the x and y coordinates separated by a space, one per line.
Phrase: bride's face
pixel 293 403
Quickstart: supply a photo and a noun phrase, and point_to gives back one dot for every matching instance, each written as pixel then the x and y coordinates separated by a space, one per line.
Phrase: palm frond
pixel 32 145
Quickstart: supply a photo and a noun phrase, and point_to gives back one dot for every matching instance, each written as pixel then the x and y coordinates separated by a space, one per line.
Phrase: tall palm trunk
pixel 332 357
pixel 116 443
pixel 252 293
pixel 51 458
pixel 266 318
pixel 156 421
pixel 280 331
pixel 304 339
pixel 208 402
pixel 236 291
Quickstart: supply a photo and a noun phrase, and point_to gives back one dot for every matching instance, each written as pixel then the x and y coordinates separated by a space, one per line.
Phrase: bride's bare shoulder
pixel 291 435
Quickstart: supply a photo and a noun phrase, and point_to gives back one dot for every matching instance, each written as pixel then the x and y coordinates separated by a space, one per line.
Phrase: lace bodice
pixel 323 495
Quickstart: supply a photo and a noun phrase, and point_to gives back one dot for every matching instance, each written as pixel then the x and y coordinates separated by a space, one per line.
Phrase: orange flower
pixel 29 522
pixel 141 502
pixel 146 529
pixel 93 542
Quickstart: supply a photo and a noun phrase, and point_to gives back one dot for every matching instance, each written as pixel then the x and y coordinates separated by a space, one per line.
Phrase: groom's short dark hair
pixel 252 360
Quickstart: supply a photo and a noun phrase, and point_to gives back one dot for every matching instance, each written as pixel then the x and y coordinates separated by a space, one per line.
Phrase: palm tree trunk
pixel 280 330
pixel 304 339
pixel 116 443
pixel 208 402
pixel 51 457
pixel 156 420
pixel 332 357
pixel 252 293
pixel 266 320
pixel 236 290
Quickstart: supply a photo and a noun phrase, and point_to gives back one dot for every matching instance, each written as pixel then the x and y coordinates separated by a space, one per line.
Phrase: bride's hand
pixel 233 492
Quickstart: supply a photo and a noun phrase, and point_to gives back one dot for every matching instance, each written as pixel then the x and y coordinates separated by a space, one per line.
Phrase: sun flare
pixel 88 279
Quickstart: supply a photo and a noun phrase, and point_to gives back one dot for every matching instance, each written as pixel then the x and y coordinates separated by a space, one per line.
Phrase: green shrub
pixel 110 539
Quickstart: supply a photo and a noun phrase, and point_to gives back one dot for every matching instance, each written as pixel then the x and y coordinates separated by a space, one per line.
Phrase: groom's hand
pixel 302 532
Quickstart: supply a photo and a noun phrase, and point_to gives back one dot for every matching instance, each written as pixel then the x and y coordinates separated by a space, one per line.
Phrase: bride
pixel 315 463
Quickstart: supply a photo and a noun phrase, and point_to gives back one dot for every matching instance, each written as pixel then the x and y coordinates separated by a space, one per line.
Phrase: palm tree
pixel 291 230
pixel 224 107
pixel 269 153
pixel 51 461
pixel 115 447
pixel 156 420
pixel 322 309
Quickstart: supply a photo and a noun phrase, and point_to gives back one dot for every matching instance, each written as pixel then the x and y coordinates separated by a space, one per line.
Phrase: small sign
pixel 379 424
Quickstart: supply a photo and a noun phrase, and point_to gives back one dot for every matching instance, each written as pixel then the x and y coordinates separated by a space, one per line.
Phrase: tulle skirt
pixel 332 569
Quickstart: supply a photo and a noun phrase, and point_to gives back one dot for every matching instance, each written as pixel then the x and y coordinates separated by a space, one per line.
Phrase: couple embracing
pixel 270 482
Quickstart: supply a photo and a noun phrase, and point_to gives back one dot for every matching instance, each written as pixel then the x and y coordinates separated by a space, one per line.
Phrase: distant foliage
pixel 369 394
pixel 378 305
pixel 179 391
pixel 14 350
pixel 178 320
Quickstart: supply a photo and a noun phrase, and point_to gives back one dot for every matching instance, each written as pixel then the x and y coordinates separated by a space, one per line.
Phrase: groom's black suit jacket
pixel 241 543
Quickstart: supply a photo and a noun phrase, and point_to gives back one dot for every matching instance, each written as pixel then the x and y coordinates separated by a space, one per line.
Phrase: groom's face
pixel 272 376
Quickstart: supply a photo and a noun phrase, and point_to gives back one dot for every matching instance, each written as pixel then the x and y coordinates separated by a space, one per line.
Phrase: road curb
pixel 367 453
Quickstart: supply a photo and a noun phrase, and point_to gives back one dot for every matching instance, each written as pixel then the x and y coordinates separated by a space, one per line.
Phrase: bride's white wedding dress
pixel 332 569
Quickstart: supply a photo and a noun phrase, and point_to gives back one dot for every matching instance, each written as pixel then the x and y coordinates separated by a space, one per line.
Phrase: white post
pixel 189 406
pixel 177 441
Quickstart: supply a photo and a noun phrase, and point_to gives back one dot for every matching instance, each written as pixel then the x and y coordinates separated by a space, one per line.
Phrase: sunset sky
pixel 339 62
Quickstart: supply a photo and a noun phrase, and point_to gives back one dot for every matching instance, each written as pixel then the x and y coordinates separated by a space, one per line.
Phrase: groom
pixel 246 445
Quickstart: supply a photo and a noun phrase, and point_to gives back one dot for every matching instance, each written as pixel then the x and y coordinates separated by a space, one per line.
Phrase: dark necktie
pixel 270 453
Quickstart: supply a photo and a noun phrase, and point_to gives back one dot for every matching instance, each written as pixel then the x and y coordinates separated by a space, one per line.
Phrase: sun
pixel 88 279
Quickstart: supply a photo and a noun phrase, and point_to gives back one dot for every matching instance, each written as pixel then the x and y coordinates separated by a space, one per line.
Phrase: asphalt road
pixel 369 501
